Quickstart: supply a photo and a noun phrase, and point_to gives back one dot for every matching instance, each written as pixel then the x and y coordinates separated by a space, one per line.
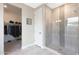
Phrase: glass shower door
pixel 71 35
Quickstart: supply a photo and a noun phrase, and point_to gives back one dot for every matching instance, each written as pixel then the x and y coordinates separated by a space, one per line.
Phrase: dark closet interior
pixel 13 29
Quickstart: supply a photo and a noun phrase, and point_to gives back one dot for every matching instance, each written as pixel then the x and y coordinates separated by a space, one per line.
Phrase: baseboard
pixel 39 45
pixel 27 46
pixel 53 51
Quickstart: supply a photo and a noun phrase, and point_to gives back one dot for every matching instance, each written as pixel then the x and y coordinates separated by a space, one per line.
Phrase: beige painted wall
pixel 1 30
pixel 27 30
pixel 8 16
pixel 70 10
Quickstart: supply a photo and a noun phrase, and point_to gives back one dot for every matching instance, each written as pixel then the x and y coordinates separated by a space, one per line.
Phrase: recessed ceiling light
pixel 5 6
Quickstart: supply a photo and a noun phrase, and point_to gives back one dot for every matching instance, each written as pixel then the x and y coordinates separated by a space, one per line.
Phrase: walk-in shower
pixel 62 31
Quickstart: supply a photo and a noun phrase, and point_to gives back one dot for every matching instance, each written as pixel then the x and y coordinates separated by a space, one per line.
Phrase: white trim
pixel 27 46
pixel 53 51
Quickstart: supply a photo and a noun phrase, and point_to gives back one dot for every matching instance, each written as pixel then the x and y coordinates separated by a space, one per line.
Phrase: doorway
pixel 12 28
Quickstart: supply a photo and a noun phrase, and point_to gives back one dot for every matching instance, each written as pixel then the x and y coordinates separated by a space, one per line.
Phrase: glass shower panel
pixel 55 28
pixel 55 32
pixel 48 27
pixel 61 26
pixel 71 35
pixel 55 43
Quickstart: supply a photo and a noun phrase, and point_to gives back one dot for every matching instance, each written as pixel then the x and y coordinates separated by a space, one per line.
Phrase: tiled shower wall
pixel 59 35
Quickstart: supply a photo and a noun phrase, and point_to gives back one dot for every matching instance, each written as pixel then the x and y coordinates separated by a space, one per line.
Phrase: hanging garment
pixel 5 29
pixel 17 32
pixel 11 30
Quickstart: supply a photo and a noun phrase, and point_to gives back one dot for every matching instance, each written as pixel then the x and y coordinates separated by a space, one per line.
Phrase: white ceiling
pixel 54 5
pixel 50 5
pixel 33 5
